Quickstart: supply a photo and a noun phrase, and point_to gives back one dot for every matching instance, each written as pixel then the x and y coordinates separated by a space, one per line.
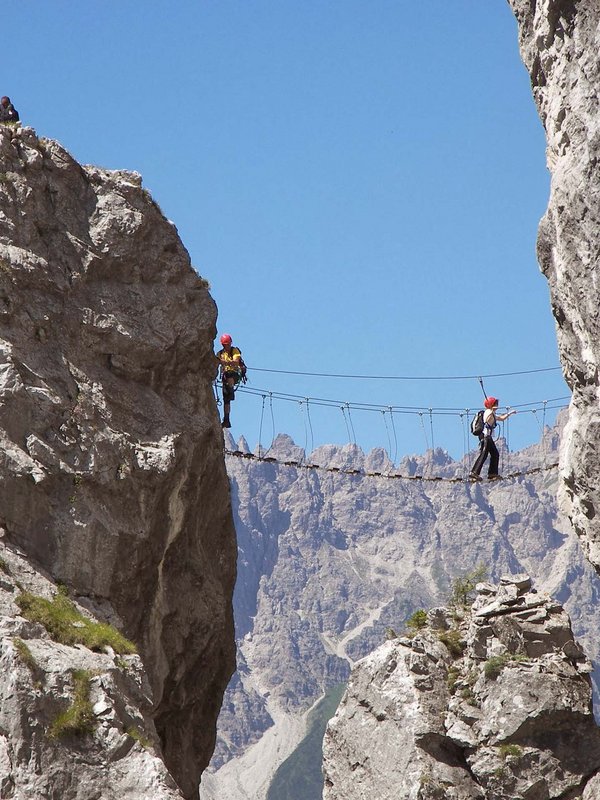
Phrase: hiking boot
pixel 475 477
pixel 494 477
pixel 226 423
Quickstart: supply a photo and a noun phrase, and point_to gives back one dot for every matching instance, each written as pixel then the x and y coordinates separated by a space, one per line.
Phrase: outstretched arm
pixel 502 417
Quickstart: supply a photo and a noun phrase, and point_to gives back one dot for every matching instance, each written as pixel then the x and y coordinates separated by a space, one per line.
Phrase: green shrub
pixel 79 718
pixel 463 587
pixel 507 750
pixel 67 625
pixel 494 665
pixel 4 566
pixel 135 733
pixel 472 677
pixel 453 641
pixel 417 621
pixel 452 677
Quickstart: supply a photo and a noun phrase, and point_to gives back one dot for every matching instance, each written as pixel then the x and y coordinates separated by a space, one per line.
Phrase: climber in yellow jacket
pixel 233 370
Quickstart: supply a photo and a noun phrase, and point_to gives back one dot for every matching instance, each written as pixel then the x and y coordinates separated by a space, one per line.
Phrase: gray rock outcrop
pixel 559 42
pixel 492 703
pixel 112 751
pixel 112 479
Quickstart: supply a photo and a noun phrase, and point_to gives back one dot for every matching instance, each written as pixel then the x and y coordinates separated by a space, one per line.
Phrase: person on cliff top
pixel 233 370
pixel 487 445
pixel 8 113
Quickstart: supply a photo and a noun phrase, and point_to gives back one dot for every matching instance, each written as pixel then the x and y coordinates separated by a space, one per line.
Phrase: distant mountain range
pixel 330 556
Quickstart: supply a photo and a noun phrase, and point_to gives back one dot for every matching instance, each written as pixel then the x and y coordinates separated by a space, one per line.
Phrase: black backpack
pixel 477 424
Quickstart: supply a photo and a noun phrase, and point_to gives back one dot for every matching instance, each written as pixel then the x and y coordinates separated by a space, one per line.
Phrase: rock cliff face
pixel 487 703
pixel 328 561
pixel 559 42
pixel 112 478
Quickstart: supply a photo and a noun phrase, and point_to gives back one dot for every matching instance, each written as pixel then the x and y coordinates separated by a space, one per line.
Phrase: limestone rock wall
pixel 112 477
pixel 559 42
pixel 489 703
pixel 118 757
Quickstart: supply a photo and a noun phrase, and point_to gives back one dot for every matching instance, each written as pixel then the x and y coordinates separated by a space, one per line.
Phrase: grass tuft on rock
pixel 28 660
pixel 134 733
pixel 506 750
pixel 67 625
pixel 417 621
pixel 453 640
pixel 79 718
pixel 452 678
pixel 494 665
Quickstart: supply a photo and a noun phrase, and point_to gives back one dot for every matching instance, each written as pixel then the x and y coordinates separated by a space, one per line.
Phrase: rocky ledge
pixel 75 718
pixel 492 702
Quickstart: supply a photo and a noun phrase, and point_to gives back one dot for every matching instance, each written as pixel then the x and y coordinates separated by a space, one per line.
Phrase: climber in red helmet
pixel 487 446
pixel 233 370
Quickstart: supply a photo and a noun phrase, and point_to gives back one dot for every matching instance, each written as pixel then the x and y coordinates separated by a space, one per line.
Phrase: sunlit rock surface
pixel 119 753
pixel 112 479
pixel 494 702
pixel 559 42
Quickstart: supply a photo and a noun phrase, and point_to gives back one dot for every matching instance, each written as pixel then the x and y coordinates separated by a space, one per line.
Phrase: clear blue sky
pixel 360 182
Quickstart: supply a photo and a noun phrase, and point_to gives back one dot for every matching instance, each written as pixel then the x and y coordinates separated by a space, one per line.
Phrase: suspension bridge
pixel 430 420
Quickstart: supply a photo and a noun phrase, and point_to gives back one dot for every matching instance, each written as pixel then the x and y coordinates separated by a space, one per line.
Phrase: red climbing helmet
pixel 490 402
pixel 226 339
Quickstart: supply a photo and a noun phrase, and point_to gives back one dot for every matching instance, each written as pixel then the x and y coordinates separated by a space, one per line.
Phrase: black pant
pixel 487 447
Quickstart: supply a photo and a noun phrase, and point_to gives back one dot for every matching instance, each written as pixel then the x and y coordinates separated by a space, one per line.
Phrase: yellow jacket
pixel 230 361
